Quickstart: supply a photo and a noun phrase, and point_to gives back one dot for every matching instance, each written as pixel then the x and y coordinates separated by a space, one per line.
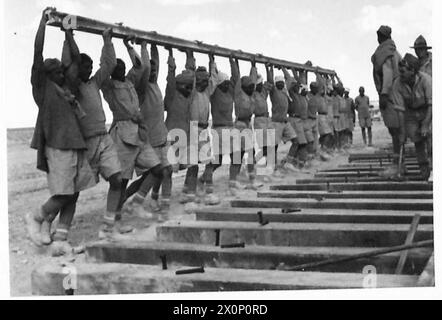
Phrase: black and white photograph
pixel 213 147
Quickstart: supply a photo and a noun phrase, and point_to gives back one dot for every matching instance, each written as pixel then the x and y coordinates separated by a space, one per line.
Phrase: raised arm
pixel 214 80
pixel 37 73
pixel 141 88
pixel 190 61
pixel 108 60
pixel 171 82
pixel 270 74
pixel 254 72
pixel 70 60
pixel 156 59
pixel 139 64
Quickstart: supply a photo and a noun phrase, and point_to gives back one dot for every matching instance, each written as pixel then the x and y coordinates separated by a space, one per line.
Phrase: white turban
pixel 223 77
pixel 279 79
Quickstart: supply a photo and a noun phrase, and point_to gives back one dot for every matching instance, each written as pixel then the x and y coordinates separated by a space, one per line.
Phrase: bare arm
pixel 71 61
pixel 37 73
pixel 190 61
pixel 141 88
pixel 156 59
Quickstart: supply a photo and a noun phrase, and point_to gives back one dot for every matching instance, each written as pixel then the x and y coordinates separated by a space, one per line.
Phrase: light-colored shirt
pixel 407 98
pixel 362 105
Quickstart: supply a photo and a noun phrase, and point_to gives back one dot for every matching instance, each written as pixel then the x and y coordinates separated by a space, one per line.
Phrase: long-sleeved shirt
pixel 362 105
pixel 244 104
pixel 418 97
pixel 385 71
pixel 57 124
pixel 94 123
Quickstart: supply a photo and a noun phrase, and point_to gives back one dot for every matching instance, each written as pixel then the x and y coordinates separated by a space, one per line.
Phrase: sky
pixel 339 35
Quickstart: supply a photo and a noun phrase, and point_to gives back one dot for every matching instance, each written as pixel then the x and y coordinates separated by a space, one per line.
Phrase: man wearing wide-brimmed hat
pixel 425 57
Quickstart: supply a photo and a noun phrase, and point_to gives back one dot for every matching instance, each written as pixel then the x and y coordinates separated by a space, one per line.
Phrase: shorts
pixel 161 153
pixel 365 122
pixel 103 156
pixel 188 152
pixel 311 129
pixel 324 126
pixel 390 116
pixel 146 159
pixel 351 125
pixel 413 125
pixel 222 140
pixel 298 125
pixel 262 125
pixel 243 137
pixel 69 171
pixel 283 132
pixel 342 122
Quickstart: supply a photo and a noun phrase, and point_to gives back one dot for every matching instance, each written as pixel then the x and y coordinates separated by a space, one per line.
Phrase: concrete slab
pixel 119 278
pixel 251 257
pixel 291 234
pixel 355 179
pixel 359 174
pixel 375 204
pixel 358 186
pixel 348 194
pixel 314 215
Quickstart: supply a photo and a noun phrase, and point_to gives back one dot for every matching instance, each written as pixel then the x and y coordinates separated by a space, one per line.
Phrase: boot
pixel 154 205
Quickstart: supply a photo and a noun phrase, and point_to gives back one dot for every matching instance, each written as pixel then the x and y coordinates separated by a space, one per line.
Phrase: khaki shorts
pixel 298 125
pixel 69 171
pixel 343 122
pixel 245 140
pixel 191 151
pixel 283 132
pixel 222 140
pixel 161 153
pixel 263 135
pixel 103 156
pixel 365 122
pixel 413 125
pixel 324 125
pixel 146 159
pixel 311 129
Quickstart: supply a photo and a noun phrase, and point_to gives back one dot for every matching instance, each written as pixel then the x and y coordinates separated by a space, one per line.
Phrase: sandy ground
pixel 27 191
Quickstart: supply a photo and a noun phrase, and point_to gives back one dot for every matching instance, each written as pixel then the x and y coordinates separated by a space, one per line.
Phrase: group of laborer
pixel 74 146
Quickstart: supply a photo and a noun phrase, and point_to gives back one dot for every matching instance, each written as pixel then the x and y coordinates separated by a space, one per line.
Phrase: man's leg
pixel 190 184
pixel 65 220
pixel 370 140
pixel 154 177
pixel 422 158
pixel 40 222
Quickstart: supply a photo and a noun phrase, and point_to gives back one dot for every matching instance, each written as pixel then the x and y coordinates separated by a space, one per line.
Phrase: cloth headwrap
pixel 385 31
pixel 410 61
pixel 223 77
pixel 185 77
pixel 279 79
pixel 246 81
pixel 260 79
pixel 347 90
pixel 201 74
pixel 51 64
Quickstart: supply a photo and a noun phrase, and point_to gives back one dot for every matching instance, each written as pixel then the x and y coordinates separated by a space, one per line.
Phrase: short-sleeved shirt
pixel 363 106
pixel 416 98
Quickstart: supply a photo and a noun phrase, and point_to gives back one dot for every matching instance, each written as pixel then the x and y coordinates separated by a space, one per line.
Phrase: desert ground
pixel 27 191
